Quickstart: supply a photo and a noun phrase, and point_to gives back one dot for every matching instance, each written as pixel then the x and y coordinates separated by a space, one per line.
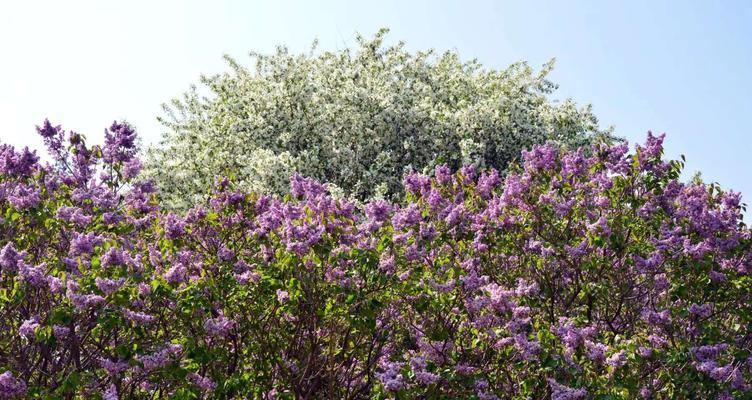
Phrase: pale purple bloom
pixel 176 274
pixel 109 286
pixel 540 157
pixel 218 327
pixel 202 382
pixel 596 351
pixel 378 210
pixel 10 386
pixel 120 143
pixel 144 289
pixel 406 216
pixel 112 257
pixel 390 376
pixel 617 359
pixel 717 277
pixel 74 215
pixel 701 310
pixel 225 254
pixel 416 183
pixel 161 358
pixel 443 174
pixel 487 182
pixel 131 169
pixel 113 367
pixel 29 326
pixel 83 244
pixel 24 196
pixel 60 332
pixel 248 276
pixel 138 317
pixel 561 392
pixel 174 226
pixel 300 186
pixel 35 276
pixel 18 164
pixel 10 258
pixel 111 393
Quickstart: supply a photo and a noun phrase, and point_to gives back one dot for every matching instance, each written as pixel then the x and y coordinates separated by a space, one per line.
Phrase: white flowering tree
pixel 358 119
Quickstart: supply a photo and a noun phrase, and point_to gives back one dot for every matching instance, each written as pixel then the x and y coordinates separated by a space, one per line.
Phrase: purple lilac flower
pixel 248 276
pixel 407 216
pixel 596 351
pixel 29 327
pixel 202 382
pixel 443 174
pixel 83 244
pixel 60 332
pixel 540 157
pixel 652 148
pixel 111 393
pixel 176 274
pixel 10 386
pixel 120 143
pixel 561 392
pixel 386 263
pixel 487 182
pixel 24 196
pixel 282 296
pixel 378 210
pixel 144 289
pixel 701 310
pixel 300 186
pixel 390 376
pixel 113 367
pixel 55 284
pixel 35 276
pixel 9 258
pixel 709 352
pixel 617 360
pixel 74 215
pixel 218 327
pixel 138 317
pixel 112 257
pixel 468 171
pixel 717 277
pixel 161 358
pixel 131 169
pixel 82 301
pixel 109 286
pixel 225 254
pixel 418 366
pixel 174 226
pixel 528 349
pixel 18 164
pixel 481 389
pixel 416 183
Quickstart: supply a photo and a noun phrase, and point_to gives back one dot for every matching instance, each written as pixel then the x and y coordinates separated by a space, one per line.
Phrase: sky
pixel 679 67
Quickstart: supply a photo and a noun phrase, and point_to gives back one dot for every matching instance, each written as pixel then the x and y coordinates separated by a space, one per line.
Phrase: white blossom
pixel 357 119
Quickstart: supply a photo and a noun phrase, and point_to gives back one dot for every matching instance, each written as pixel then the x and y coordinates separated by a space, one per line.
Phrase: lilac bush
pixel 573 276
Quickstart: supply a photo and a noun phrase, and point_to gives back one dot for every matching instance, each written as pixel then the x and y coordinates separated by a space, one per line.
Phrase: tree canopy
pixel 356 119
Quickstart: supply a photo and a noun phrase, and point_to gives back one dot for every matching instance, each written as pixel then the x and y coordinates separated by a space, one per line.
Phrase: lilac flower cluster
pixel 576 275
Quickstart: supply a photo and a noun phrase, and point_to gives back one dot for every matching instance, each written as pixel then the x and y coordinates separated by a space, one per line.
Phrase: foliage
pixel 358 120
pixel 579 276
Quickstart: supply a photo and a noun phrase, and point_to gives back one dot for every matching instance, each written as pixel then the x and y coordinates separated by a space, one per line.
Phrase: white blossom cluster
pixel 357 119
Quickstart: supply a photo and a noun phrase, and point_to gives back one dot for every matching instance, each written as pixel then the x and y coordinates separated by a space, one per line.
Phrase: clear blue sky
pixel 681 67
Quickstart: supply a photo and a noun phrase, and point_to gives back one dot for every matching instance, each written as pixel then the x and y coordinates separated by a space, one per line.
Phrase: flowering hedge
pixel 599 276
pixel 356 119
